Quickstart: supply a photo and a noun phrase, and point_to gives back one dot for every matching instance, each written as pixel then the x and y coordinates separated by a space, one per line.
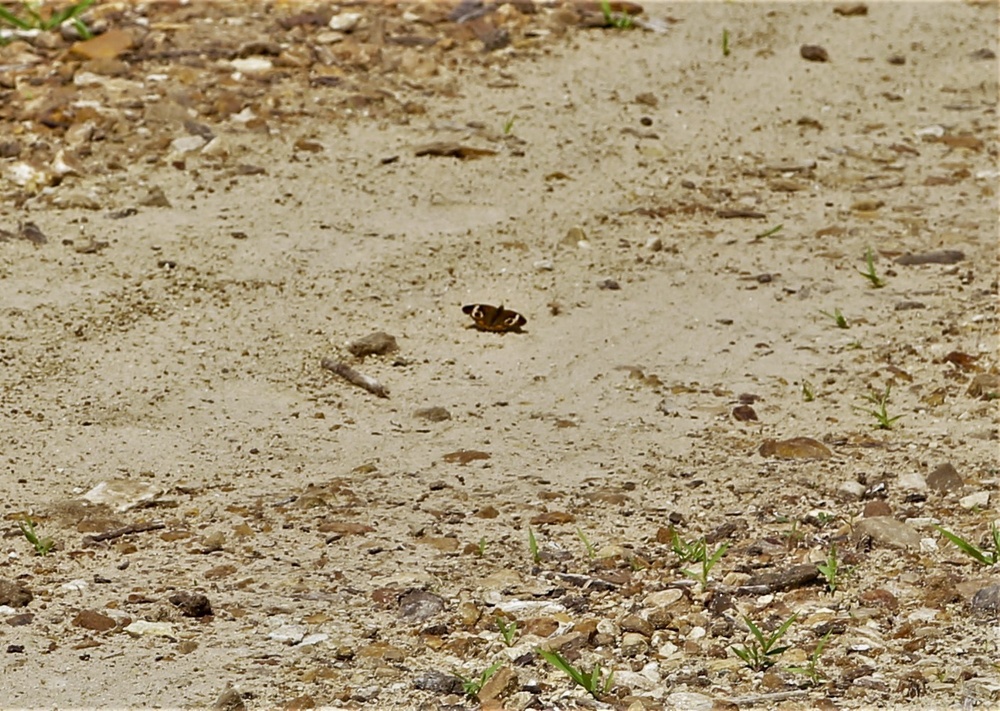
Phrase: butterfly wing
pixel 494 318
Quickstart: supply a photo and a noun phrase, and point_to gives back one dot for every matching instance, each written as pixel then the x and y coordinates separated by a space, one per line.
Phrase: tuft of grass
pixel 508 125
pixel 507 630
pixel 591 682
pixel 808 391
pixel 473 685
pixel 979 555
pixel 481 547
pixel 810 669
pixel 42 545
pixel 837 317
pixel 870 274
pixel 881 414
pixel 591 551
pixel 533 546
pixel 692 551
pixel 760 653
pixel 32 17
pixel 621 21
pixel 830 569
pixel 708 562
pixel 725 43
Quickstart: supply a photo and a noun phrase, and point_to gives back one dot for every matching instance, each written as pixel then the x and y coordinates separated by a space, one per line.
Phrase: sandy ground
pixel 629 209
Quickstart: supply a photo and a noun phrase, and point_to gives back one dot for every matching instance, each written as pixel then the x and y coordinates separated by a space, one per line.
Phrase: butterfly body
pixel 494 318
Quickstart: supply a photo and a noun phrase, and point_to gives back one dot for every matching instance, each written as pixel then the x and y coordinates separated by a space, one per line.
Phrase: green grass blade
pixel 12 19
pixel 966 547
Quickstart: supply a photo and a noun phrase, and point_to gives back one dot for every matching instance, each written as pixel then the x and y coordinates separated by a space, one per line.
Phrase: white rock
pixel 654 244
pixel 314 638
pixel 667 650
pixel 851 489
pixel 345 21
pixel 663 598
pixel 76 585
pixel 928 545
pixel 288 634
pixel 634 680
pixel 249 65
pixel 935 131
pixel 690 701
pixel 186 144
pixel 141 628
pixel 544 265
pixel 329 37
pixel 913 481
pixel 980 500
pixel 122 494
pixel 533 608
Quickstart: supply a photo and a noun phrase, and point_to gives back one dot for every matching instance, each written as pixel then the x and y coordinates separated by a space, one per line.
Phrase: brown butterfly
pixel 495 318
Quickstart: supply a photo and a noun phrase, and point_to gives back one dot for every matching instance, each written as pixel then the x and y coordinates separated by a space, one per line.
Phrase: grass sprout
pixel 591 551
pixel 881 414
pixel 707 563
pixel 830 569
pixel 590 681
pixel 533 547
pixel 725 43
pixel 42 545
pixel 472 685
pixel 808 391
pixel 621 21
pixel 837 317
pixel 810 669
pixel 32 17
pixel 508 125
pixel 760 653
pixel 979 555
pixel 870 274
pixel 508 630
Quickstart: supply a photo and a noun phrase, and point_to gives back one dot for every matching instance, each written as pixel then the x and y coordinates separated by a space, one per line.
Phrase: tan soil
pixel 184 357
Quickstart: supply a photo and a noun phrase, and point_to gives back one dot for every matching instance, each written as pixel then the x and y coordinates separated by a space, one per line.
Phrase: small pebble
pixel 814 53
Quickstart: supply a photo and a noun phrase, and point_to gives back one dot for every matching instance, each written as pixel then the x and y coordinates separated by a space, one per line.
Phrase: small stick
pixel 354 377
pixel 124 531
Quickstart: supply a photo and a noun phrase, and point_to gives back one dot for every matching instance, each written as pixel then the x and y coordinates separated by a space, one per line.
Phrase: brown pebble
pixel 378 343
pixel 944 479
pixel 745 413
pixel 191 604
pixel 795 448
pixel 432 414
pixel 541 626
pixel 877 507
pixel 857 9
pixel 634 623
pixel 92 620
pixel 814 53
pixel 14 594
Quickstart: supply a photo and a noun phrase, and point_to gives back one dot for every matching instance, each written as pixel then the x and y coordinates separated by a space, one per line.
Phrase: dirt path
pixel 672 221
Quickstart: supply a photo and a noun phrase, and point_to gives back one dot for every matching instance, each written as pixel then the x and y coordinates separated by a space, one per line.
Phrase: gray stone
pixel 987 599
pixel 419 605
pixel 887 531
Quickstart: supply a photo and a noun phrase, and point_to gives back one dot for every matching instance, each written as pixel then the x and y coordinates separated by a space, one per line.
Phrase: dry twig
pixel 354 377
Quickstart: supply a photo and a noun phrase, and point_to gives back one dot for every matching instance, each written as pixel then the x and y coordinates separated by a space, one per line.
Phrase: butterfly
pixel 495 318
